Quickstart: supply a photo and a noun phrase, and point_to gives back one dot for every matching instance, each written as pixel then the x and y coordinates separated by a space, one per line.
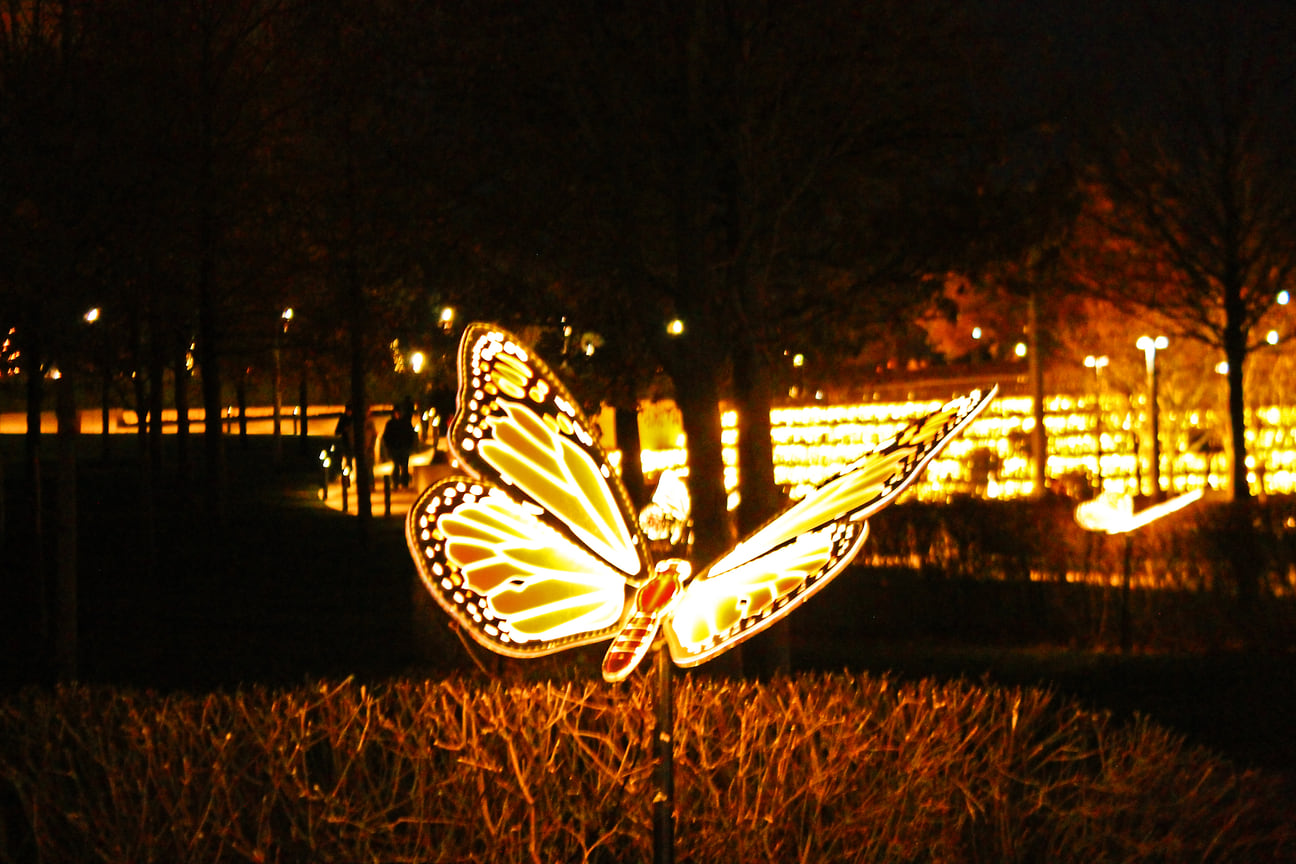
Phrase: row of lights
pixel 992 459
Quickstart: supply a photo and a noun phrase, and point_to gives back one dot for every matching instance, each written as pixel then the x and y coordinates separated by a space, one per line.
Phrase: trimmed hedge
pixel 813 768
pixel 1019 539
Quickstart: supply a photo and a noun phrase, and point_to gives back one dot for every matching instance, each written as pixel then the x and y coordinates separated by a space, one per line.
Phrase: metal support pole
pixel 386 494
pixel 278 402
pixel 664 772
pixel 1155 468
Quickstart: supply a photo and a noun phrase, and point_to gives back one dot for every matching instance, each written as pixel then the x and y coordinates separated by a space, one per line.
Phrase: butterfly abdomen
pixel 630 646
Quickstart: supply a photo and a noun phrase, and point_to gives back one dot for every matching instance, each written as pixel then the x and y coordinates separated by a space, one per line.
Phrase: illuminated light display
pixel 537 550
pixel 1115 514
pixel 991 457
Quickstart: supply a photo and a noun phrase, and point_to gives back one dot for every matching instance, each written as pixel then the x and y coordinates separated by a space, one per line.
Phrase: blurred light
pixel 92 315
pixel 417 359
pixel 1222 367
pixel 1020 349
pixel 798 360
pixel 976 332
pixel 1098 362
pixel 1283 298
pixel 447 318
pixel 1272 337
pixel 675 327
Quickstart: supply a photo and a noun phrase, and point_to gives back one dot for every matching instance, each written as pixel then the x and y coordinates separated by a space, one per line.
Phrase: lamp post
pixel 1098 363
pixel 92 317
pixel 284 318
pixel 1150 345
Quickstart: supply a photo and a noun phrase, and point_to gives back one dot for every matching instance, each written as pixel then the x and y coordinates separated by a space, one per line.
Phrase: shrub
pixel 832 768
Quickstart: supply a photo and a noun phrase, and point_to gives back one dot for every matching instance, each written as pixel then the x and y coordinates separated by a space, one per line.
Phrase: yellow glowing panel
pixel 1114 514
pixel 538 550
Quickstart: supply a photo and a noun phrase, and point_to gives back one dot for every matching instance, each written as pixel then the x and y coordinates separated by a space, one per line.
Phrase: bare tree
pixel 1194 204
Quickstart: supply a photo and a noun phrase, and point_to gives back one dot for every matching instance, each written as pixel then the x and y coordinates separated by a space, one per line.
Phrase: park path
pixel 388 502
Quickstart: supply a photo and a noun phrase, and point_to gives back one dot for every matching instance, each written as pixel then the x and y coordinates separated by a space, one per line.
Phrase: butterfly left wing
pixel 518 425
pixel 515 584
pixel 785 561
pixel 536 552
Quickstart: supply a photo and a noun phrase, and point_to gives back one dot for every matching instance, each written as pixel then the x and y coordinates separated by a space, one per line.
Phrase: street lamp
pixel 284 318
pixel 1150 346
pixel 1098 363
pixel 92 317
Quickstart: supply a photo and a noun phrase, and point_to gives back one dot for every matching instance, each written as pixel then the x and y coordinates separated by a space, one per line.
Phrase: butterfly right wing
pixel 514 583
pixel 792 556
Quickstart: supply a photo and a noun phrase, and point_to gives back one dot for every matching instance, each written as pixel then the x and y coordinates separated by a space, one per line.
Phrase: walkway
pixel 385 500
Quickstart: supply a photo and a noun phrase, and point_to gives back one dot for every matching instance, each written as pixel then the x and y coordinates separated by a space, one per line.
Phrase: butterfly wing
pixel 514 583
pixel 519 425
pixel 535 552
pixel 785 561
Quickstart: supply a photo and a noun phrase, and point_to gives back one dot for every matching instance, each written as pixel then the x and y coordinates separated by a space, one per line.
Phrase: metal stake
pixel 664 773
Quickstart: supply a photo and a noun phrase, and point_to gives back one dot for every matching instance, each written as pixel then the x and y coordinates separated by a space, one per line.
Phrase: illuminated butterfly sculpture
pixel 538 551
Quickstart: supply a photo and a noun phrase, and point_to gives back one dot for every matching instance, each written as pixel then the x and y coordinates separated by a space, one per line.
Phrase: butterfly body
pixel 538 550
pixel 653 601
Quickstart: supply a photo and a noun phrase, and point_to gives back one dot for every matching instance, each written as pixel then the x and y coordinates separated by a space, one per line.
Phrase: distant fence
pixel 320 420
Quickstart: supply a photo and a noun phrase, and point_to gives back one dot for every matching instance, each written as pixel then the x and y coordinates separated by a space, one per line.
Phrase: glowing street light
pixel 285 317
pixel 675 327
pixel 1098 363
pixel 446 320
pixel 417 361
pixel 91 317
pixel 1150 346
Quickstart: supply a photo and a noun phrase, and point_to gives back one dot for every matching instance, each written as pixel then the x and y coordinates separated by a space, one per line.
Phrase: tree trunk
pixel 698 395
pixel 771 652
pixel 35 501
pixel 180 369
pixel 240 397
pixel 35 402
pixel 213 440
pixel 1039 434
pixel 1246 563
pixel 156 380
pixel 65 581
pixel 753 398
pixel 626 422
pixel 303 406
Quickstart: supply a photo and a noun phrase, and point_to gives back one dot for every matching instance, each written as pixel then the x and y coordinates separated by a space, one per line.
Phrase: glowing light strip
pixel 1115 514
